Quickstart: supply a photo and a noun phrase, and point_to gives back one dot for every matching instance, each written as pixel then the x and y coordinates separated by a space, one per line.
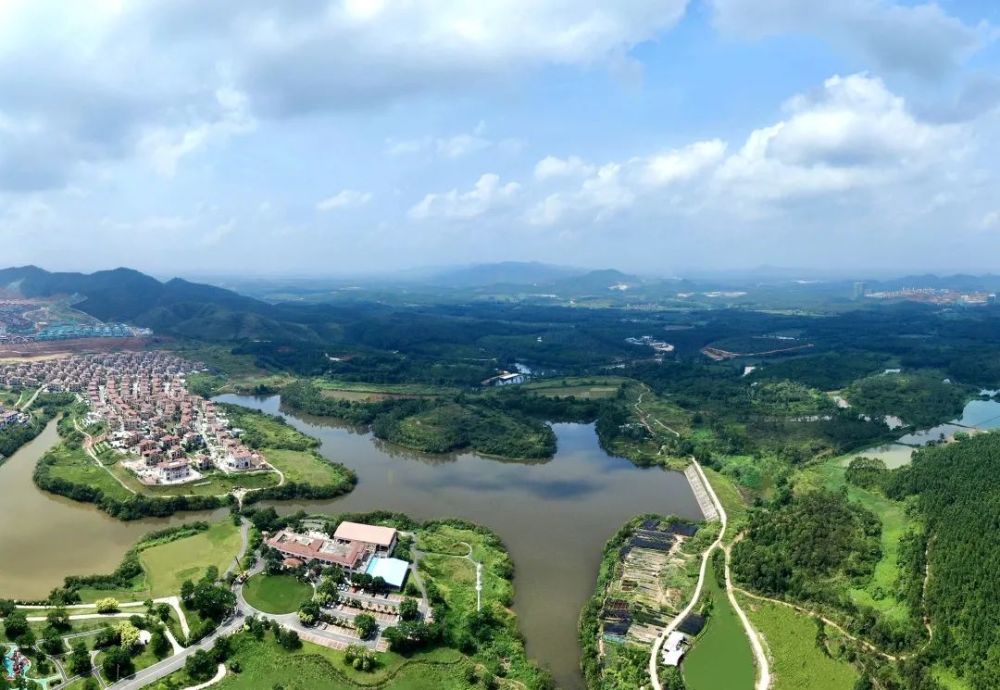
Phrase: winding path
pixel 88 445
pixel 763 666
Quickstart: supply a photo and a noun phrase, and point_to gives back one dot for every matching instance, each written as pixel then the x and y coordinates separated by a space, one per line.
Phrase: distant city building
pixel 860 288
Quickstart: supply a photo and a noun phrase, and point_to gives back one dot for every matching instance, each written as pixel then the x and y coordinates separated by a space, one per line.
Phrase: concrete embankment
pixel 701 494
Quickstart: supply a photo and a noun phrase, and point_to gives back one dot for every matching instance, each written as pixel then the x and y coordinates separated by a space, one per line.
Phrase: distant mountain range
pixel 176 306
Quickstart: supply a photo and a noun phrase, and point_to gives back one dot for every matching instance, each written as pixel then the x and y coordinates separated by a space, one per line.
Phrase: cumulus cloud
pixel 920 39
pixel 851 134
pixel 361 53
pixel 87 83
pixel 345 198
pixel 486 195
pixel 552 167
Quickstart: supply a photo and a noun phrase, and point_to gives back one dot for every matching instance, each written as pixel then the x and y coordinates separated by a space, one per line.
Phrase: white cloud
pixel 920 39
pixel 553 167
pixel 345 198
pixel 487 194
pixel 164 147
pixel 852 134
pixel 685 163
pixel 453 146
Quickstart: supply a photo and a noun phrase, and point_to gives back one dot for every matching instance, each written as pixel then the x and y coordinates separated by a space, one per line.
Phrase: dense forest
pixel 957 489
pixel 800 544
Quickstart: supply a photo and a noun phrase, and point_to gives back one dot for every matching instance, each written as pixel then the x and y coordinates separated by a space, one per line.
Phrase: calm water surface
pixel 554 516
pixel 978 415
pixel 47 537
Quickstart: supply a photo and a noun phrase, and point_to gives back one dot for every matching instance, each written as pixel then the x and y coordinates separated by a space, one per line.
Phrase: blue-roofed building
pixel 392 570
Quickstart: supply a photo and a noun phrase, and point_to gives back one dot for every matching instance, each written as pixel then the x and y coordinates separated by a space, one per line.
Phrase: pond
pixel 554 516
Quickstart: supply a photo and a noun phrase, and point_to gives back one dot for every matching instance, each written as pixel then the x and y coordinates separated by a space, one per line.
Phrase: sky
pixel 241 137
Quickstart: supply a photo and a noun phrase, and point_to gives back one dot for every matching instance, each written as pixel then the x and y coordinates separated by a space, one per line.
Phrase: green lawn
pixel 796 661
pixel 276 593
pixel 168 565
pixel 721 656
pixel 729 495
pixel 265 665
pixel 305 467
pixel 72 464
pixel 456 577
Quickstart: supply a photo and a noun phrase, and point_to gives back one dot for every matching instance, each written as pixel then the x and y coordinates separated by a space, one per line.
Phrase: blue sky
pixel 660 136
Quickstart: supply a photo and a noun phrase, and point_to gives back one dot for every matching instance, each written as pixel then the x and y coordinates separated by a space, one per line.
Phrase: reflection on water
pixel 554 516
pixel 978 415
pixel 47 537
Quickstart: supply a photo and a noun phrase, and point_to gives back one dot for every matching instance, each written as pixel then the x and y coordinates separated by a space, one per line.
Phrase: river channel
pixel 554 517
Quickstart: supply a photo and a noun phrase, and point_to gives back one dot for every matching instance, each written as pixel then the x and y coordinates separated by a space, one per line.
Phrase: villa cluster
pixel 147 413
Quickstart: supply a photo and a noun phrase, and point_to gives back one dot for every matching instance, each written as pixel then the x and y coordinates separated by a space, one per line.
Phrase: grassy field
pixel 796 661
pixel 721 657
pixel 213 484
pixel 577 386
pixel 334 388
pixel 895 523
pixel 729 495
pixel 304 466
pixel 265 665
pixel 456 577
pixel 276 593
pixel 168 565
pixel 72 464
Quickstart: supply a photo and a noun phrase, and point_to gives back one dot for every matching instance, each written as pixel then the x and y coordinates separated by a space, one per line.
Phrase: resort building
pixel 392 570
pixel 354 547
pixel 381 540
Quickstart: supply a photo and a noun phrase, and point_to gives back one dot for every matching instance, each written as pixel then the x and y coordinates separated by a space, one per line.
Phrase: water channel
pixel 554 516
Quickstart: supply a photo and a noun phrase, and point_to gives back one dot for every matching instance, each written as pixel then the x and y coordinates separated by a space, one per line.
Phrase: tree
pixel 58 619
pixel 288 639
pixel 128 636
pixel 409 609
pixel 15 625
pixel 105 637
pixel 79 659
pixel 212 601
pixel 187 591
pixel 107 605
pixel 52 642
pixel 365 625
pixel 200 665
pixel 309 613
pixel 117 663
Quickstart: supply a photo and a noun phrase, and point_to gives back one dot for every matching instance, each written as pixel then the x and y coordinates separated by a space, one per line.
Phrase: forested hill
pixel 958 491
pixel 176 306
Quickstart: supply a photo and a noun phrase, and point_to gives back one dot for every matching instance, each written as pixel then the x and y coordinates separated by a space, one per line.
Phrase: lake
pixel 554 516
pixel 978 415
pixel 47 537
